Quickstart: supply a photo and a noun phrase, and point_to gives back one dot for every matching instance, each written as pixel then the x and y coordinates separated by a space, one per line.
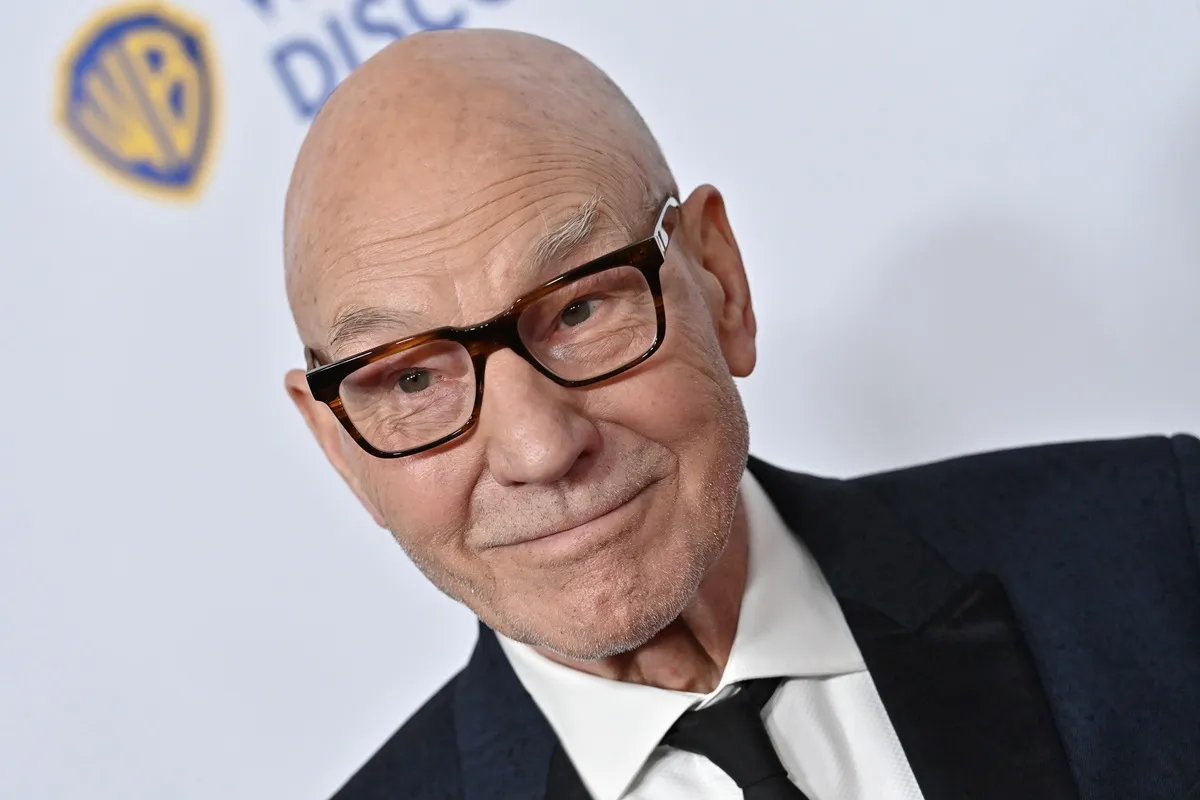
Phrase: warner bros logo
pixel 137 95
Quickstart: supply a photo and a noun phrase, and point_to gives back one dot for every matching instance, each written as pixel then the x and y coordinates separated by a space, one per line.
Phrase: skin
pixel 428 185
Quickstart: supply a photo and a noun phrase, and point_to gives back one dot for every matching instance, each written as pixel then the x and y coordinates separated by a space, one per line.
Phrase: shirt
pixel 826 720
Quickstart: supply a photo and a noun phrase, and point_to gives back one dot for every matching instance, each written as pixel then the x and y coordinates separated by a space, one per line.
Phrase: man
pixel 657 619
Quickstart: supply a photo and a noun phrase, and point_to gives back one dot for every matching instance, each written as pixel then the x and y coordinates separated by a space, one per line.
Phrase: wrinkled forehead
pixel 422 261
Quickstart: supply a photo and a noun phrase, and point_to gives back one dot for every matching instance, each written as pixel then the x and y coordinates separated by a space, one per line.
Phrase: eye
pixel 414 380
pixel 577 313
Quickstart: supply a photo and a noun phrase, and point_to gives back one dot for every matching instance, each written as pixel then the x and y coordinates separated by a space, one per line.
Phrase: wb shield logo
pixel 137 95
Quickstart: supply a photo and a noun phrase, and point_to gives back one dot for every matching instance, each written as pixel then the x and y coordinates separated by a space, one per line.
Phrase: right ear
pixel 330 435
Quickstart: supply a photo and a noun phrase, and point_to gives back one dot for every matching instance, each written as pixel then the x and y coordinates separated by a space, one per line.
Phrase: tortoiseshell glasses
pixel 585 326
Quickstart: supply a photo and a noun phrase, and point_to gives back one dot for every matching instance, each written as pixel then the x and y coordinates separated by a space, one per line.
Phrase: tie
pixel 731 734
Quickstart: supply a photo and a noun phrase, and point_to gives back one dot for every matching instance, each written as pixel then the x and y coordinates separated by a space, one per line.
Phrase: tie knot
pixel 731 734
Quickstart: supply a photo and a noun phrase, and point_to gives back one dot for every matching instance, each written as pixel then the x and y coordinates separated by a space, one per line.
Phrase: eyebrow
pixel 358 321
pixel 556 243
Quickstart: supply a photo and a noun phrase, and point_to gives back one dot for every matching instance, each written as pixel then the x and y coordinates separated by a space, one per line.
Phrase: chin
pixel 606 637
pixel 609 614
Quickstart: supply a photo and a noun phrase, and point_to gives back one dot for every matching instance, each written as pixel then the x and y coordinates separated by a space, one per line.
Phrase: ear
pixel 722 276
pixel 329 434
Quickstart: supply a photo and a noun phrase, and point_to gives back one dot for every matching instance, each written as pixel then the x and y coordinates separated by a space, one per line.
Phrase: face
pixel 575 519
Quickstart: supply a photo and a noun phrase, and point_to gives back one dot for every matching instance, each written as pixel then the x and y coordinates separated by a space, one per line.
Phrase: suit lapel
pixel 965 700
pixel 944 650
pixel 564 782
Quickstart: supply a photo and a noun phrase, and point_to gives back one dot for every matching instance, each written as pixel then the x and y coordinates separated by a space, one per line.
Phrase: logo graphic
pixel 137 95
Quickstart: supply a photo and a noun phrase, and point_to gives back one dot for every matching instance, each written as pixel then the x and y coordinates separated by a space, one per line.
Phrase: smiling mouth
pixel 586 527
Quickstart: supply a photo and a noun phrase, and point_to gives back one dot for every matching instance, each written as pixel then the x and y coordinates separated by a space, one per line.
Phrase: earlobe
pixel 327 431
pixel 717 251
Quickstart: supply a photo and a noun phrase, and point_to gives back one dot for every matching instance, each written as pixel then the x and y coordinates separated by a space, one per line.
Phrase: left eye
pixel 577 313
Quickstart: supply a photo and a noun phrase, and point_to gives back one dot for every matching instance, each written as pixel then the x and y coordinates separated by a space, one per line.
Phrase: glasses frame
pixel 501 332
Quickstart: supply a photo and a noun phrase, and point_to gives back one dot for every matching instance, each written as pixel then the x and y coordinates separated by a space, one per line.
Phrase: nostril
pixel 588 456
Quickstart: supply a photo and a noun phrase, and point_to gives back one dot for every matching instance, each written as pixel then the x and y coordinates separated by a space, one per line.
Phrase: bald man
pixel 662 616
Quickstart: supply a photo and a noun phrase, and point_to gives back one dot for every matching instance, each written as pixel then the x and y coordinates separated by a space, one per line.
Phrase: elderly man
pixel 521 350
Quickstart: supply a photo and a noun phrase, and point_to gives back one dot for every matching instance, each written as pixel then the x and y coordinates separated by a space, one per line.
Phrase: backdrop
pixel 967 226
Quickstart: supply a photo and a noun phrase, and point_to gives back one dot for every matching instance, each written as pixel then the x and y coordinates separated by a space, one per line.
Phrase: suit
pixel 1031 618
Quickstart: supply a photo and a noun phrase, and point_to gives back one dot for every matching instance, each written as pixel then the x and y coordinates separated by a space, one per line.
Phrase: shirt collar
pixel 609 728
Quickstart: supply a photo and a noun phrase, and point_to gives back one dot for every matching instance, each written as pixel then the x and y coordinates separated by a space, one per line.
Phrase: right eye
pixel 412 381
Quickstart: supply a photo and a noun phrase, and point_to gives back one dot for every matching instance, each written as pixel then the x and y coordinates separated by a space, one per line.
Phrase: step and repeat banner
pixel 967 226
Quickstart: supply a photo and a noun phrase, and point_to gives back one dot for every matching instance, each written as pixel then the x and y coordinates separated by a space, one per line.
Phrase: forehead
pixel 409 268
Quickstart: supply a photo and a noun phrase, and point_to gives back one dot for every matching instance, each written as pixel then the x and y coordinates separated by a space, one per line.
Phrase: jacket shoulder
pixel 1187 457
pixel 1099 459
pixel 1073 500
pixel 419 762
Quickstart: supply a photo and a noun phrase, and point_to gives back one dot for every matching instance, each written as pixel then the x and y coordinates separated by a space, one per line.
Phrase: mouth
pixel 599 525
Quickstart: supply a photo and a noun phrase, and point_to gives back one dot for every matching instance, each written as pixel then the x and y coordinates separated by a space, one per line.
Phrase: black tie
pixel 731 734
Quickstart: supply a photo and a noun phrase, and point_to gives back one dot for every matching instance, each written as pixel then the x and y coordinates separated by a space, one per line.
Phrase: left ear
pixel 722 276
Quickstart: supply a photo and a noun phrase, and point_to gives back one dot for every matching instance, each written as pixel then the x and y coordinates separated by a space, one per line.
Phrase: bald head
pixel 439 139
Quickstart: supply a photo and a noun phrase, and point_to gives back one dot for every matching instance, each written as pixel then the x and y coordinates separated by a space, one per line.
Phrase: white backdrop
pixel 968 225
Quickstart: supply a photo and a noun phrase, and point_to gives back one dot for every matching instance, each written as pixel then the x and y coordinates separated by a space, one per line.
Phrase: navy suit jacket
pixel 1030 617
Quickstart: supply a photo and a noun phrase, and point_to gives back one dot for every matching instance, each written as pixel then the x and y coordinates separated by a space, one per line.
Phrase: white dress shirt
pixel 826 720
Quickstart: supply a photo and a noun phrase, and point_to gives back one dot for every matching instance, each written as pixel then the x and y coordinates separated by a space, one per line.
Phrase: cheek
pixel 422 500
pixel 670 404
pixel 683 399
pixel 685 389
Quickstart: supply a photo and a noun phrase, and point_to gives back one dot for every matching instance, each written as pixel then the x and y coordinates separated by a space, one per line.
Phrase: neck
pixel 690 654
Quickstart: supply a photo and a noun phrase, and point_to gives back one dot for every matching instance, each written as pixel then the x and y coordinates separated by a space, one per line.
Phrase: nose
pixel 534 434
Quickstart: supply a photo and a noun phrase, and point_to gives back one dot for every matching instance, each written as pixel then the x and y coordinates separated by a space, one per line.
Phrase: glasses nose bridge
pixel 501 333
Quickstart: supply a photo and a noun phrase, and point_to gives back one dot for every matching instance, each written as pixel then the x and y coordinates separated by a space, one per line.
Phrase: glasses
pixel 585 326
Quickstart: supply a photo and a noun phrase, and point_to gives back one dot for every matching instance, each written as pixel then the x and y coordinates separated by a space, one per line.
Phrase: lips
pixel 580 520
